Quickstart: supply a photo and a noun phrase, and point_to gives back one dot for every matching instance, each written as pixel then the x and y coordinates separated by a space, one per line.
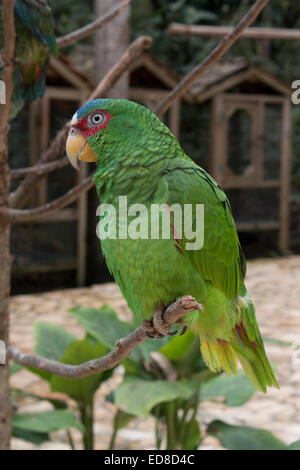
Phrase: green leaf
pixel 57 404
pixel 30 436
pixel 143 352
pixel 244 438
pixel 235 390
pixel 295 446
pixel 192 435
pixel 121 419
pixel 46 422
pixel 81 390
pixel 137 396
pixel 103 324
pixel 178 346
pixel 51 340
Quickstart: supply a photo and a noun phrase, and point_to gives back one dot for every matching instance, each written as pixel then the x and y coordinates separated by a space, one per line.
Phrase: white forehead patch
pixel 74 120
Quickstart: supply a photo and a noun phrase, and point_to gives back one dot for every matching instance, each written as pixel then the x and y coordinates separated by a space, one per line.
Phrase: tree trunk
pixel 111 42
pixel 5 264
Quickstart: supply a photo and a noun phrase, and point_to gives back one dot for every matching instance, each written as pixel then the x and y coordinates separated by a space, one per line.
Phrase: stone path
pixel 275 288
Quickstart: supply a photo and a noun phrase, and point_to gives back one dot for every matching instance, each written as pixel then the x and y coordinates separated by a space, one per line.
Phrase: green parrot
pixel 35 41
pixel 139 159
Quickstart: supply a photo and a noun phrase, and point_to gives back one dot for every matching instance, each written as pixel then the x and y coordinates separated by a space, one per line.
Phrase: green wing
pixel 221 259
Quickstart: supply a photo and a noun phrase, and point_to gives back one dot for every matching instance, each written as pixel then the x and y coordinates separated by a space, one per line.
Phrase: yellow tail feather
pixel 219 356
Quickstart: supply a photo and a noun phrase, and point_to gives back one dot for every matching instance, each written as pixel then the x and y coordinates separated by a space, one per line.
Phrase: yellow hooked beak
pixel 78 148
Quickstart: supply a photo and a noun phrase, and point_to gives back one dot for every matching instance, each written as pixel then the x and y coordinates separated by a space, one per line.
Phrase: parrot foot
pixel 160 325
pixel 183 327
pixel 158 328
pixel 150 330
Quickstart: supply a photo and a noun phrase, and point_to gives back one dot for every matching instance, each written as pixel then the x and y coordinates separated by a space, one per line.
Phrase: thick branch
pixel 57 148
pixel 212 58
pixel 90 28
pixel 16 215
pixel 40 169
pixel 8 52
pixel 123 347
pixel 8 31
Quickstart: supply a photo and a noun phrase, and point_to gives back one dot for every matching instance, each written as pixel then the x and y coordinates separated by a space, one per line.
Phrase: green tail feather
pixel 252 356
pixel 249 346
pixel 245 344
pixel 259 372
pixel 223 356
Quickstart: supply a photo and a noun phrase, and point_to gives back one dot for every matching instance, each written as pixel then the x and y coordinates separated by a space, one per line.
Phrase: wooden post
pixel 218 139
pixel 34 142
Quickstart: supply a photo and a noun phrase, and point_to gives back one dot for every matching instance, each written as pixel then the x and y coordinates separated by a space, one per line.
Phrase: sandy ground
pixel 275 288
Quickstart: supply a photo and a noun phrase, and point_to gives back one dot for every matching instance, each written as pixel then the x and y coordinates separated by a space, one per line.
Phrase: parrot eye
pixel 96 119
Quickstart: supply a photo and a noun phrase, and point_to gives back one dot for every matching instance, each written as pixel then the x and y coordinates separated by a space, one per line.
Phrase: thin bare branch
pixel 28 215
pixel 212 58
pixel 221 31
pixel 21 195
pixel 90 28
pixel 123 347
pixel 40 169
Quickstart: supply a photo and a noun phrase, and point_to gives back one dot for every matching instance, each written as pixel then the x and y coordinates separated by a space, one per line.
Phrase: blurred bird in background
pixel 35 42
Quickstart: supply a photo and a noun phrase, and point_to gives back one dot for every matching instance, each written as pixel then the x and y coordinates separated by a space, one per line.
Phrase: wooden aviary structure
pixel 250 143
pixel 150 82
pixel 229 105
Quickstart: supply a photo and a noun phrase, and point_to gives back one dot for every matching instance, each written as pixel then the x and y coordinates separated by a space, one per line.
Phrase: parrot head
pixel 107 123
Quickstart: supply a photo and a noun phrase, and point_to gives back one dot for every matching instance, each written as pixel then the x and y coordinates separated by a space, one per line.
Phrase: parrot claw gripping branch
pixel 158 327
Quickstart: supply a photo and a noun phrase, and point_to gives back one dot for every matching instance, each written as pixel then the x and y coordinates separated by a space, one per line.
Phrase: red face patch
pixel 93 122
